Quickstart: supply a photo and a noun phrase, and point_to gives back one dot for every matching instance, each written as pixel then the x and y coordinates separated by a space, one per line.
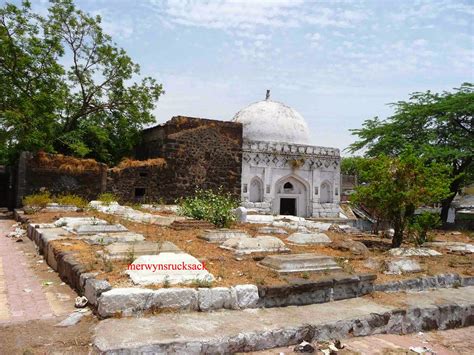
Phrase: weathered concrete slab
pixel 300 262
pixel 120 251
pixel 402 266
pixel 259 244
pixel 413 252
pixel 55 207
pixel 109 238
pixel 172 268
pixel 354 247
pixel 221 235
pixel 271 230
pixel 308 238
pixel 88 229
pixel 452 246
pixel 73 222
pixel 259 329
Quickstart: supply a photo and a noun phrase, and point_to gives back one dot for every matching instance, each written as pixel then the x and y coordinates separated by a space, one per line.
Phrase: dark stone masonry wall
pixel 198 153
pixel 33 175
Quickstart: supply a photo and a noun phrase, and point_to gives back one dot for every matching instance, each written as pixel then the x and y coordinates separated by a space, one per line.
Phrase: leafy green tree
pixel 439 127
pixel 349 165
pixel 396 187
pixel 93 107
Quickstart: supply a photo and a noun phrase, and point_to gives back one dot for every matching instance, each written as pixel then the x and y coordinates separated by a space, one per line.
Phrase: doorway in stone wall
pixel 288 206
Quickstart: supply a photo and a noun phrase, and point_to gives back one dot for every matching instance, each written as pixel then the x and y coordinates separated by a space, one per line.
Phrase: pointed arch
pixel 291 196
pixel 325 192
pixel 256 190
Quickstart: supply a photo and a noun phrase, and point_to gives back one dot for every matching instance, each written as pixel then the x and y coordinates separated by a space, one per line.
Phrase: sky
pixel 335 62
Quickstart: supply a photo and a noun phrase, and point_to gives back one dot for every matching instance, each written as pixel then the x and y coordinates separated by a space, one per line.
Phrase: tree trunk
pixel 446 203
pixel 398 233
pixel 397 238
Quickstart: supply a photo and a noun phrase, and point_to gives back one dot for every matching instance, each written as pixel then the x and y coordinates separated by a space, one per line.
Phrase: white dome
pixel 272 121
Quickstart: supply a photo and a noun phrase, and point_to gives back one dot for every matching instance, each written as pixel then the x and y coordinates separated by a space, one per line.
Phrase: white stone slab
pixel 402 266
pixel 413 252
pixel 259 244
pixel 109 238
pixel 308 239
pixel 221 235
pixel 452 246
pixel 120 251
pixel 307 262
pixel 74 222
pixel 271 230
pixel 259 218
pixel 90 229
pixel 167 267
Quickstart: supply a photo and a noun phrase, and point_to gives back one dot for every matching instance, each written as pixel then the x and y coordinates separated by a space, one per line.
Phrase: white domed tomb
pixel 281 172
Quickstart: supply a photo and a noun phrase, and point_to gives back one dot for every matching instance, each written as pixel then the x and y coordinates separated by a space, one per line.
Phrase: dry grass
pixel 66 164
pixel 130 163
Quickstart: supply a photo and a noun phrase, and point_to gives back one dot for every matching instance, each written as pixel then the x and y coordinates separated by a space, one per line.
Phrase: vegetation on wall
pixel 66 164
pixel 131 163
pixel 92 107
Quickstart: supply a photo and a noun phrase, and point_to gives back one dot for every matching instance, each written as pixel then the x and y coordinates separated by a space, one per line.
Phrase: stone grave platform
pixel 109 238
pixel 88 229
pixel 172 268
pixel 308 239
pixel 221 235
pixel 259 244
pixel 307 262
pixel 271 230
pixel 120 251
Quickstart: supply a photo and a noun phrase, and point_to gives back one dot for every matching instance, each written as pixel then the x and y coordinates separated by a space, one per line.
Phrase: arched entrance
pixel 256 190
pixel 325 193
pixel 291 197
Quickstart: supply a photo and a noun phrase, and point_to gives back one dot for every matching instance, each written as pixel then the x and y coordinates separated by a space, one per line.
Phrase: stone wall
pixel 198 153
pixel 59 175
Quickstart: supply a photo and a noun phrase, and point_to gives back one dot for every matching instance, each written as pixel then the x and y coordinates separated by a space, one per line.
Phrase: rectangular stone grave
pixel 271 230
pixel 120 251
pixel 172 268
pixel 109 238
pixel 221 235
pixel 73 222
pixel 307 262
pixel 259 244
pixel 86 229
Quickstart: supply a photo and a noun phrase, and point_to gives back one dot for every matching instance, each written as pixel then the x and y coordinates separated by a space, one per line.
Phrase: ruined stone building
pixel 262 156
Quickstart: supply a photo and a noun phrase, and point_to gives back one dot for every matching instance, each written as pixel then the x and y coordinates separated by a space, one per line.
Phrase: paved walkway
pixel 23 294
pixel 448 342
pixel 253 328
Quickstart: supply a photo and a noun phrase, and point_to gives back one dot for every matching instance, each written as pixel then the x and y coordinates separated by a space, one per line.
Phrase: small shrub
pixel 38 200
pixel 200 283
pixel 107 198
pixel 420 224
pixel 131 255
pixel 166 282
pixel 71 200
pixel 214 207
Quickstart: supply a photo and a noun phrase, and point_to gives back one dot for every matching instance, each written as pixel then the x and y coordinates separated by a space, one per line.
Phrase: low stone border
pixel 128 301
pixel 310 292
pixel 426 283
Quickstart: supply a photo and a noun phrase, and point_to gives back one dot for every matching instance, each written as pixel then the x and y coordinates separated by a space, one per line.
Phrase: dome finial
pixel 267 96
